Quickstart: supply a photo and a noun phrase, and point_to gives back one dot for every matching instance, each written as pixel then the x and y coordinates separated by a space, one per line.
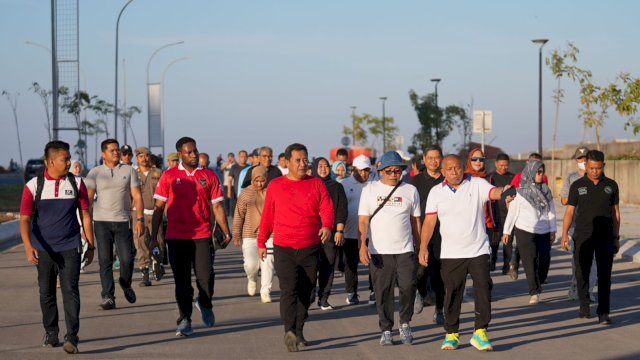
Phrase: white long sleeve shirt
pixel 525 217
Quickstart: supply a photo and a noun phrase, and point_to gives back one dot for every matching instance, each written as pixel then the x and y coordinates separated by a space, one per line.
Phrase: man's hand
pixel 566 245
pixel 616 244
pixel 32 255
pixel 262 253
pixel 506 238
pixel 339 238
pixel 324 234
pixel 139 228
pixel 88 256
pixel 365 255
pixel 423 256
pixel 509 199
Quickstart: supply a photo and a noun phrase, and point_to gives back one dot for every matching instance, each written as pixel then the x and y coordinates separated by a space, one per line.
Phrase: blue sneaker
pixel 184 328
pixel 116 264
pixel 481 341
pixel 208 318
pixel 451 341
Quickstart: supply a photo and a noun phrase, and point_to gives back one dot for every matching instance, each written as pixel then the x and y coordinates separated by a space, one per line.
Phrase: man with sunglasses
pixel 389 212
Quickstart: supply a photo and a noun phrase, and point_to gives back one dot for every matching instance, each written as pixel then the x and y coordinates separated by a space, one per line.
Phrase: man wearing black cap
pixel 391 210
pixel 126 155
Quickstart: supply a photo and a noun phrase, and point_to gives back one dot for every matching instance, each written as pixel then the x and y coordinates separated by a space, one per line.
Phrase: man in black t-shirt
pixel 597 231
pixel 424 182
pixel 234 175
pixel 500 178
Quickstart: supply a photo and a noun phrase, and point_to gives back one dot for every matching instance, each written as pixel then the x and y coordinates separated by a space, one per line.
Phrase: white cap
pixel 362 162
pixel 403 155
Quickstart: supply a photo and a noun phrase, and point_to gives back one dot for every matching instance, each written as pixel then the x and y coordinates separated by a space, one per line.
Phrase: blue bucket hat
pixel 391 158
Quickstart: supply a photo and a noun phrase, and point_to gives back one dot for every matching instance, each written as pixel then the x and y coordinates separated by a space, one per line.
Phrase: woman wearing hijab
pixel 533 215
pixel 338 170
pixel 246 222
pixel 327 260
pixel 76 169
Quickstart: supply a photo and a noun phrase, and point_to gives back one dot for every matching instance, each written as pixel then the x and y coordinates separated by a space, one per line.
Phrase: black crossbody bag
pixel 385 201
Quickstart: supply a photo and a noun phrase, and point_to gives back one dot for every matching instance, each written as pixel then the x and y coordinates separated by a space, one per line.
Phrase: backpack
pixel 40 185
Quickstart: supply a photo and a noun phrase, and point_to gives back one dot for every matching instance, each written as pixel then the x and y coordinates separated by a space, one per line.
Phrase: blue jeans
pixel 109 233
pixel 67 265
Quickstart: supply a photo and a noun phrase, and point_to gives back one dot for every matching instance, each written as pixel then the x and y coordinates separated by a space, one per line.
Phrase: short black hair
pixel 183 140
pixel 53 147
pixel 106 142
pixel 595 155
pixel 280 156
pixel 342 152
pixel 204 154
pixel 502 156
pixel 243 151
pixel 535 156
pixel 294 147
pixel 433 148
pixel 231 154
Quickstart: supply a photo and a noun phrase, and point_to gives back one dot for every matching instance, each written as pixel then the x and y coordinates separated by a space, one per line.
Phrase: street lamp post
pixel 540 42
pixel 353 125
pixel 437 80
pixel 164 73
pixel 115 122
pixel 384 126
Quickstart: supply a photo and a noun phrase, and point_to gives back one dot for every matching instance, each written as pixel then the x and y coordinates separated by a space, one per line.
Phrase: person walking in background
pixel 234 174
pixel 50 233
pixel 298 211
pixel 76 169
pixel 265 158
pixel 328 253
pixel 282 164
pixel 246 223
pixel 500 177
pixel 191 195
pixel 593 200
pixel 172 160
pixel 533 215
pixel 115 185
pixel 390 211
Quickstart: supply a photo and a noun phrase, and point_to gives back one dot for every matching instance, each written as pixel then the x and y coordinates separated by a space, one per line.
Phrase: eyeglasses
pixel 480 159
pixel 395 172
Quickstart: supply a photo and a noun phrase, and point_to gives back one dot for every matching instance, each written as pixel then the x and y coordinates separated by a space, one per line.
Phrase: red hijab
pixel 470 170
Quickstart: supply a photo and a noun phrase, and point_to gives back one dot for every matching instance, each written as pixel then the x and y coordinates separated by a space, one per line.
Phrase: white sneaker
pixel 252 285
pixel 265 298
pixel 534 300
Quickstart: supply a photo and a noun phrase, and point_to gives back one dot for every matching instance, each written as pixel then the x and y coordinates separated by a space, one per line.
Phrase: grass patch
pixel 10 197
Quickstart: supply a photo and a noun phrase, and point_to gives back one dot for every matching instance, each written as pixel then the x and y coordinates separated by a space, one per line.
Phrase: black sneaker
pixel 352 299
pixel 50 339
pixel 584 313
pixel 145 278
pixel 158 271
pixel 129 294
pixel 107 304
pixel 604 319
pixel 324 305
pixel 71 344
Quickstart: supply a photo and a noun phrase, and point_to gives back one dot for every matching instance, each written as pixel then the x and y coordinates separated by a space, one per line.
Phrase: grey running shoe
pixel 352 299
pixel 71 344
pixel 184 328
pixel 418 304
pixel 386 338
pixel 107 304
pixel 405 334
pixel 290 341
pixel 50 339
pixel 513 272
pixel 438 317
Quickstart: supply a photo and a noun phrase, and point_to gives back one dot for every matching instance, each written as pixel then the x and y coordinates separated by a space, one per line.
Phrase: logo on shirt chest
pixel 608 189
pixel 178 181
pixel 582 190
pixel 395 201
pixel 203 182
pixel 68 192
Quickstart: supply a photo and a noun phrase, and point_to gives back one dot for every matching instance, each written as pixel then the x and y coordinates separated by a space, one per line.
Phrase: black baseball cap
pixel 126 150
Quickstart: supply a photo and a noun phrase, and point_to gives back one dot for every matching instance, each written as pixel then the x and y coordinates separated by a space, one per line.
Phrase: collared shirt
pixel 461 215
pixel 189 196
pixel 148 184
pixel 595 202
pixel 113 191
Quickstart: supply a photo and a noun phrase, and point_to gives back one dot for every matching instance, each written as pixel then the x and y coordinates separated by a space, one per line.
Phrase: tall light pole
pixel 156 51
pixel 115 122
pixel 353 125
pixel 540 42
pixel 164 73
pixel 437 80
pixel 384 126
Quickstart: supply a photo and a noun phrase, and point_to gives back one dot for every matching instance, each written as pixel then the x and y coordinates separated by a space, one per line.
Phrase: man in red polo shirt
pixel 190 192
pixel 298 211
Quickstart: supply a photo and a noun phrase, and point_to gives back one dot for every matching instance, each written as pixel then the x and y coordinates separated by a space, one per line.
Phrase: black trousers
pixel 429 277
pixel 326 268
pixel 454 273
pixel 184 255
pixel 296 269
pixel 604 251
pixel 535 252
pixel 507 250
pixel 67 265
pixel 107 234
pixel 351 250
pixel 387 270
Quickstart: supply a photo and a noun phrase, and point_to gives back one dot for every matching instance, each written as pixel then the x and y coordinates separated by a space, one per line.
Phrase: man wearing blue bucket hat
pixel 390 211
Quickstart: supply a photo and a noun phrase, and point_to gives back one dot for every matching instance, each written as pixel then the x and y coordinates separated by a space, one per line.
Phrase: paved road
pixel 247 329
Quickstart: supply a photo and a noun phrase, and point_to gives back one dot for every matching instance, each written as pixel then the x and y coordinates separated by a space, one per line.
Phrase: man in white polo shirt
pixel 459 205
pixel 390 210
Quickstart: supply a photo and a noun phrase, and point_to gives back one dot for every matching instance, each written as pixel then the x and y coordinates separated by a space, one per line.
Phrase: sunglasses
pixel 540 172
pixel 396 172
pixel 480 159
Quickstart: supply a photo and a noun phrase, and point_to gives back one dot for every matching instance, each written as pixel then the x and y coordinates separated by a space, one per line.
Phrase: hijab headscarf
pixel 538 195
pixel 73 162
pixel 334 169
pixel 259 171
pixel 469 168
pixel 329 179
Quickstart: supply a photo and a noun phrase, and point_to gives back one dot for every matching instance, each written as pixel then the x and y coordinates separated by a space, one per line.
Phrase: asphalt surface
pixel 248 329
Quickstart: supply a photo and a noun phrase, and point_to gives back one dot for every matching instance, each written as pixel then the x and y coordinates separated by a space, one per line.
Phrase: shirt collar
pixel 446 183
pixel 186 171
pixel 49 177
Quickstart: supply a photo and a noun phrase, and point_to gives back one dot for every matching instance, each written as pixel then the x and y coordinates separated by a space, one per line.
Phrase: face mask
pixel 581 166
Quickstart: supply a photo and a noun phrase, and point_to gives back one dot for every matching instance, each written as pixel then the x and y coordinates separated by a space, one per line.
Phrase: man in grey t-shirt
pixel 114 185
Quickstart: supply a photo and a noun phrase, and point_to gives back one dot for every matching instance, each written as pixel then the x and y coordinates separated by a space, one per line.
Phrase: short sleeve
pixel 416 204
pixel 484 188
pixel 83 196
pixel 364 208
pixel 135 180
pixel 432 201
pixel 162 190
pixel 573 194
pixel 216 190
pixel 90 180
pixel 26 206
pixel 564 192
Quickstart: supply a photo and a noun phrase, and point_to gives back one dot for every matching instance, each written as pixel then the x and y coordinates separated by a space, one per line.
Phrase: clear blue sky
pixel 277 72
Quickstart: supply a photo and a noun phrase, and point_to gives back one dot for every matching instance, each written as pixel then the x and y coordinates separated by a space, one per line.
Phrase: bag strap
pixel 39 187
pixel 385 201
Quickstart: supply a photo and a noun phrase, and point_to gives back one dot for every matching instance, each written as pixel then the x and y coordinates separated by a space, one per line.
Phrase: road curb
pixel 9 234
pixel 629 251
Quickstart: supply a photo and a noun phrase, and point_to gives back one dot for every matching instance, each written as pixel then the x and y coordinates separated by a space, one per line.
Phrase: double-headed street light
pixel 437 80
pixel 384 126
pixel 540 42
pixel 116 101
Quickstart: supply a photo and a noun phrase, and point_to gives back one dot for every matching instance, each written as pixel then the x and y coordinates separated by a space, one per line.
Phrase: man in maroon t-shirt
pixel 298 211
pixel 190 192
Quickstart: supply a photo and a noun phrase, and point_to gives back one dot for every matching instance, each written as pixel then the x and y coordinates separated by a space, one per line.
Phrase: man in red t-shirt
pixel 298 211
pixel 189 193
